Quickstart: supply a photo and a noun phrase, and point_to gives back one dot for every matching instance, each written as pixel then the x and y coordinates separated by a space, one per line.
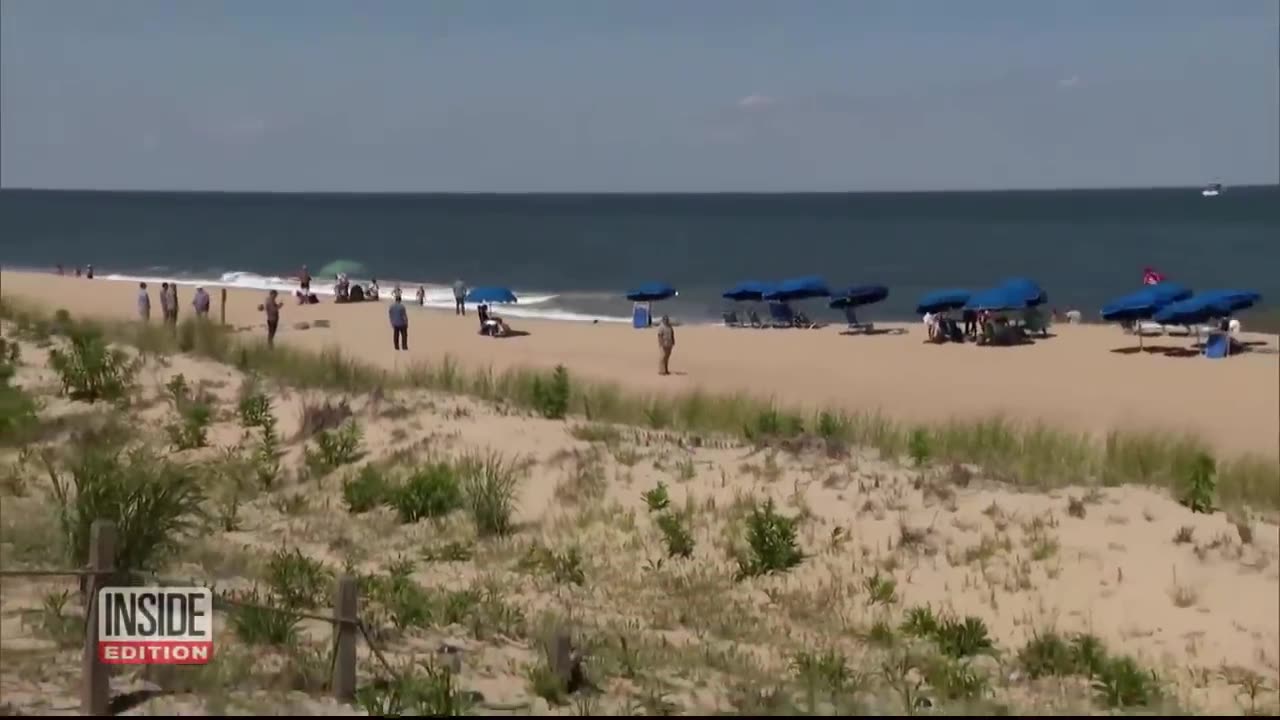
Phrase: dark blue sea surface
pixel 573 256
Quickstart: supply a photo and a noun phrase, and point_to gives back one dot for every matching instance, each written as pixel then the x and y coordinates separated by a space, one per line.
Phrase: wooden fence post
pixel 222 308
pixel 346 612
pixel 95 688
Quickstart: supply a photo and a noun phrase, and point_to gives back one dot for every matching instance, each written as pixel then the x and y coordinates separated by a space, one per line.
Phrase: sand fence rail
pixel 95 691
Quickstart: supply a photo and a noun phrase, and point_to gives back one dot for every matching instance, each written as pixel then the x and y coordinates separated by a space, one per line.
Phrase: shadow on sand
pixel 879 331
pixel 1195 350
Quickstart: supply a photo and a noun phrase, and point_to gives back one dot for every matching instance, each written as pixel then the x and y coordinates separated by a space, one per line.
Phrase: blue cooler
pixel 641 315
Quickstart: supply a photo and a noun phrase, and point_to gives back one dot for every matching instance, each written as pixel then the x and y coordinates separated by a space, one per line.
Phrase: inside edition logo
pixel 155 626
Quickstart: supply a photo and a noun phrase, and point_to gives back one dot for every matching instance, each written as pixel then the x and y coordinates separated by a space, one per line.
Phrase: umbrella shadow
pixel 876 331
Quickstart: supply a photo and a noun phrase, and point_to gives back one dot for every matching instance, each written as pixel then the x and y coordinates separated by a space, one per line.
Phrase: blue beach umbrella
pixel 650 292
pixel 942 300
pixel 998 299
pixel 1233 300
pixel 1206 306
pixel 859 295
pixel 801 288
pixel 490 295
pixel 750 290
pixel 1144 303
pixel 1028 289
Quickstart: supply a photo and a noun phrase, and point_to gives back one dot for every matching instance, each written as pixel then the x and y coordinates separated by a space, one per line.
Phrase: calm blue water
pixel 574 255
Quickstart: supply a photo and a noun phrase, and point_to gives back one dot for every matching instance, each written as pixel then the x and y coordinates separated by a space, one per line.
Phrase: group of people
pixel 86 272
pixel 169 303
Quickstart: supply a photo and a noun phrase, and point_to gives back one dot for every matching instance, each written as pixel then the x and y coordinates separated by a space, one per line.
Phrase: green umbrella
pixel 338 267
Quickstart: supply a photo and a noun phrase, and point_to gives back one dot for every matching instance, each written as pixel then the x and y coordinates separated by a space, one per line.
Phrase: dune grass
pixel 1021 454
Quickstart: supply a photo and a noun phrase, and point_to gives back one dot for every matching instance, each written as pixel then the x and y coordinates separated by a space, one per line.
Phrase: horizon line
pixel 649 193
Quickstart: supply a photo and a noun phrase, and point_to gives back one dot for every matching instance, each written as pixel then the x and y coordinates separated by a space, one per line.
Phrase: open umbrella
pixel 747 291
pixel 942 300
pixel 338 267
pixel 801 288
pixel 859 295
pixel 1144 303
pixel 650 292
pixel 998 299
pixel 1029 289
pixel 489 295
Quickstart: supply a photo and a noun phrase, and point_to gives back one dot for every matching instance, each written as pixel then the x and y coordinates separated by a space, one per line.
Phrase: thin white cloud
pixel 1067 83
pixel 756 101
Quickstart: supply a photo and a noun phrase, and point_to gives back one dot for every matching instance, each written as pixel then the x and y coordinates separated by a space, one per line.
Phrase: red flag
pixel 1150 276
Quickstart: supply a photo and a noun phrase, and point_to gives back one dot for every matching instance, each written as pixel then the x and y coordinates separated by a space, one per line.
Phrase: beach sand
pixel 1195 597
pixel 1085 378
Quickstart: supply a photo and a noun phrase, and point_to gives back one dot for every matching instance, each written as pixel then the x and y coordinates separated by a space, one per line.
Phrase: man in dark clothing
pixel 459 298
pixel 399 323
pixel 272 308
pixel 666 343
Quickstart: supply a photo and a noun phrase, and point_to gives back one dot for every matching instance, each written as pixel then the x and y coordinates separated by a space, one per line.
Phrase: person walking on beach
pixel 304 281
pixel 272 308
pixel 422 296
pixel 200 302
pixel 666 343
pixel 399 323
pixel 173 304
pixel 144 303
pixel 459 298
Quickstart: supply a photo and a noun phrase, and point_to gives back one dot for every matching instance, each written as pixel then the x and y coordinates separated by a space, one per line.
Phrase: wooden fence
pixel 95 690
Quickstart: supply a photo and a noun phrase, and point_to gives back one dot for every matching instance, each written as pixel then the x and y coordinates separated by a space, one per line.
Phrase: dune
pixel 639 543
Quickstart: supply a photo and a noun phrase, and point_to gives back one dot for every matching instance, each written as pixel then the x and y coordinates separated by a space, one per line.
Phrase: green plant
pixel 190 429
pixel 153 502
pixel 918 447
pixel 1121 683
pixel 367 490
pixel 256 414
pixel 920 622
pixel 64 628
pixel 657 499
pixel 17 407
pixel 259 619
pixel 430 491
pixel 676 534
pixel 423 689
pixel 551 395
pixel 881 633
pixel 90 370
pixel 954 680
pixel 1201 484
pixel 963 638
pixel 489 488
pixel 297 580
pixel 563 567
pixel 881 590
pixel 771 542
pixel 335 448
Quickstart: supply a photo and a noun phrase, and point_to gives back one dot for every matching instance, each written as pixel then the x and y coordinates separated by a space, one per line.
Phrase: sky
pixel 637 95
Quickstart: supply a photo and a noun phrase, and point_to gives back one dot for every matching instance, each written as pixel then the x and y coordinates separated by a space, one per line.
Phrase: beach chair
pixel 1218 345
pixel 1035 321
pixel 781 316
pixel 731 319
pixel 801 320
pixel 753 318
pixel 851 320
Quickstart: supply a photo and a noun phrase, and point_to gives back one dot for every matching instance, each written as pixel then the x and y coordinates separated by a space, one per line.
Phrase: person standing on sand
pixel 399 323
pixel 144 303
pixel 164 303
pixel 666 343
pixel 422 296
pixel 304 281
pixel 200 302
pixel 459 298
pixel 272 308
pixel 173 304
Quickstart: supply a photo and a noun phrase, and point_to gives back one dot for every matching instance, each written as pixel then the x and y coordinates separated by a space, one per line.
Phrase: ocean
pixel 573 257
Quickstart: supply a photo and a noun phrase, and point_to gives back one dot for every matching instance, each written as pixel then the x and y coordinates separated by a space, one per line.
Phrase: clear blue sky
pixel 641 95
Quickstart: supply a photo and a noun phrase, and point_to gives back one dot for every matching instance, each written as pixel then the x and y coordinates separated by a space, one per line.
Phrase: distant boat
pixel 1212 190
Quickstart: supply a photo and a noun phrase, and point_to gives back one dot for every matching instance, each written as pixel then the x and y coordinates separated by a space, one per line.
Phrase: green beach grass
pixel 1027 455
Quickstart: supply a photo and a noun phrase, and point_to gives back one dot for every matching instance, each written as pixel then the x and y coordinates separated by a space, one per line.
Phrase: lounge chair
pixel 801 320
pixel 781 316
pixel 731 319
pixel 851 318
pixel 753 319
pixel 1035 321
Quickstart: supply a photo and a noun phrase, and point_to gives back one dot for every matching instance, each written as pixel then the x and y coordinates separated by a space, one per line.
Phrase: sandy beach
pixel 1083 378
